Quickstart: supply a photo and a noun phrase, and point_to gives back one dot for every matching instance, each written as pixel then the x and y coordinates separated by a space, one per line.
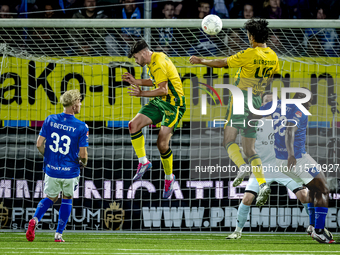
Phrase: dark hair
pixel 265 94
pixel 168 3
pixel 258 28
pixel 204 2
pixel 325 10
pixel 137 47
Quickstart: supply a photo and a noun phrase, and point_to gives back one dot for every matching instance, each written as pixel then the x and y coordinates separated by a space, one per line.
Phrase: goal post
pixel 41 59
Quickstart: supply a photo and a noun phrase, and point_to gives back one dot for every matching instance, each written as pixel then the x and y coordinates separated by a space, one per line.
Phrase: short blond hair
pixel 70 97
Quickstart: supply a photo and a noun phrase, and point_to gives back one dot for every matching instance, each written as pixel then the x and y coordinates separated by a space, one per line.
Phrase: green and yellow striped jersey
pixel 162 69
pixel 257 65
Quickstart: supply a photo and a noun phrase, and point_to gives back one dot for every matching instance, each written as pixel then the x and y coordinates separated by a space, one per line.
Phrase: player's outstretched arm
pixel 140 82
pixel 209 62
pixel 83 155
pixel 41 144
pixel 289 141
pixel 162 90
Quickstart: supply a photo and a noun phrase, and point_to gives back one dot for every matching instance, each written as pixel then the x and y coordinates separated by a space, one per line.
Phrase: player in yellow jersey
pixel 257 65
pixel 167 107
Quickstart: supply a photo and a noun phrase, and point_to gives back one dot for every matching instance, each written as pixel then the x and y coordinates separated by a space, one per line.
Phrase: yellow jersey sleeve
pixel 239 59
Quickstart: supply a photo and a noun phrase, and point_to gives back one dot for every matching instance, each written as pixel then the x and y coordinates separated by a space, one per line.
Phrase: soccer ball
pixel 212 24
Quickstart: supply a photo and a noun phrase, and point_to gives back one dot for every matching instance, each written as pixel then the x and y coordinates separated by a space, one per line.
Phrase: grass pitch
pixel 164 243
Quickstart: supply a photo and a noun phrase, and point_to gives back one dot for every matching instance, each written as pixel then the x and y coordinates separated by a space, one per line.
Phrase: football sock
pixel 320 218
pixel 242 215
pixel 256 167
pixel 167 162
pixel 143 160
pixel 305 205
pixel 64 214
pixel 138 143
pixel 168 177
pixel 235 154
pixel 42 207
pixel 311 213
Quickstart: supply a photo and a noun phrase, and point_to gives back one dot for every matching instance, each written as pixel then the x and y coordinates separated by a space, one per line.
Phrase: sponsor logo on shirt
pixel 63 127
pixel 298 114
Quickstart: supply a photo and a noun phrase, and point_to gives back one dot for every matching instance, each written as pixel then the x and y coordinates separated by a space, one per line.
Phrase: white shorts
pixel 304 172
pixel 253 185
pixel 53 186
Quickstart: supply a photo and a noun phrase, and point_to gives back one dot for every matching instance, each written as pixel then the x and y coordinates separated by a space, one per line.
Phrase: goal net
pixel 41 59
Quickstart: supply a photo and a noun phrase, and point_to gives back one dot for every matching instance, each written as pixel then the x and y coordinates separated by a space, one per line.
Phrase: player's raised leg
pixel 248 144
pixel 138 143
pixel 234 153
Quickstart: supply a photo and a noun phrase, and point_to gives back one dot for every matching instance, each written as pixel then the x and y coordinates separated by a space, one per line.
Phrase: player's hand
pixel 291 162
pixel 135 91
pixel 195 60
pixel 129 78
pixel 82 166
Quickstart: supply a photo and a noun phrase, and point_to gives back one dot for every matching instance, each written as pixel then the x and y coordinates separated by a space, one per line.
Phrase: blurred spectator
pixel 274 42
pixel 130 11
pixel 178 8
pixel 90 12
pixel 273 9
pixel 205 45
pixel 323 41
pixel 5 12
pixel 220 9
pixel 68 4
pixel 248 11
pixel 49 12
pixel 169 10
pixel 203 8
pixel 27 6
pixel 164 36
pixel 129 34
pixel 235 41
pixel 10 37
pixel 82 35
pixel 298 9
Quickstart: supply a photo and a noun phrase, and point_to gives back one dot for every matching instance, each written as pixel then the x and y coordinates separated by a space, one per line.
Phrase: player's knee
pixel 302 195
pixel 54 199
pixel 162 146
pixel 248 199
pixel 322 188
pixel 133 127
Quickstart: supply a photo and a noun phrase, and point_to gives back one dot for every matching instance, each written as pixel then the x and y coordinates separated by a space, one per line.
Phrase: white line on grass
pixel 175 250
